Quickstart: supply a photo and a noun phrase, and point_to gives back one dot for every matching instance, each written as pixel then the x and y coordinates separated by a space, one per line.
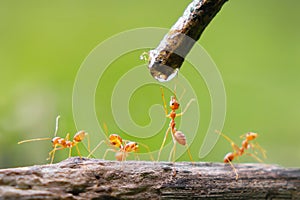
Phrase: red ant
pixel 62 143
pixel 239 151
pixel 177 136
pixel 124 146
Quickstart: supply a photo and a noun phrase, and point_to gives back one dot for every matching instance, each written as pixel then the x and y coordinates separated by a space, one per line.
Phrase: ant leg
pixel 148 149
pixel 234 169
pixel 77 149
pixel 70 148
pixel 105 153
pixel 124 156
pixel 173 156
pixel 53 153
pixel 98 145
pixel 233 145
pixel 189 153
pixel 162 145
pixel 89 144
pixel 54 149
pixel 70 152
pixel 172 153
pixel 255 157
pixel 262 150
pixel 173 150
pixel 136 156
pixel 185 109
pixel 164 101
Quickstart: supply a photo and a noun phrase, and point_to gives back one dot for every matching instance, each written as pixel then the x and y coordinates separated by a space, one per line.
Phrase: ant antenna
pixel 164 101
pixel 56 125
pixel 181 86
pixel 39 139
pixel 174 91
pixel 105 129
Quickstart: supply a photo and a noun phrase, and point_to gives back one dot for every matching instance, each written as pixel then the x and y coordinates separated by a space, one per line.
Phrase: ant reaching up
pixel 177 136
pixel 62 143
pixel 121 147
pixel 239 151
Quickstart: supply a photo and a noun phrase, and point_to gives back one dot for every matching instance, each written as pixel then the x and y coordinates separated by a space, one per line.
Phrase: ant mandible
pixel 177 136
pixel 239 151
pixel 124 147
pixel 62 143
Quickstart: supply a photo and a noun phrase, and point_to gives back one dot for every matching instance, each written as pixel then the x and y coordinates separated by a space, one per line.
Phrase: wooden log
pixel 77 178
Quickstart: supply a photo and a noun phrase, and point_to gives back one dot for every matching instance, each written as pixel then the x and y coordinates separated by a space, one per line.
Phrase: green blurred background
pixel 255 44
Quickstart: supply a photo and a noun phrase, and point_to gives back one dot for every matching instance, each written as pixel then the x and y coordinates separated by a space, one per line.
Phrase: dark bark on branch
pixel 98 179
pixel 167 58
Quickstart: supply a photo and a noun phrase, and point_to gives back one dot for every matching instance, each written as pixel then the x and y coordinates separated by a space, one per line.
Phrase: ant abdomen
pixel 228 157
pixel 79 136
pixel 180 137
pixel 120 156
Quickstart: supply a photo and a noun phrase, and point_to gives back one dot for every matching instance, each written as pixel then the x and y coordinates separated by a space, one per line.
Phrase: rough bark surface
pixel 167 58
pixel 77 178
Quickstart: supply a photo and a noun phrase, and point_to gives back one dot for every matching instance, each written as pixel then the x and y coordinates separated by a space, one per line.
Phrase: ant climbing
pixel 62 143
pixel 121 147
pixel 177 136
pixel 239 151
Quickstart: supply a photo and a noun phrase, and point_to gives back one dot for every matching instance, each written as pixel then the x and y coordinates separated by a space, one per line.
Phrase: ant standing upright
pixel 177 136
pixel 62 143
pixel 239 151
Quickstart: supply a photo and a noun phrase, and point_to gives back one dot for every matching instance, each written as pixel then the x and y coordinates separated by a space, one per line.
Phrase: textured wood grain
pixel 98 179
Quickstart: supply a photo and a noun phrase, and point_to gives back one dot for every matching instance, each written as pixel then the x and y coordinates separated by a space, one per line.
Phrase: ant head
pixel 115 140
pixel 251 136
pixel 55 140
pixel 174 105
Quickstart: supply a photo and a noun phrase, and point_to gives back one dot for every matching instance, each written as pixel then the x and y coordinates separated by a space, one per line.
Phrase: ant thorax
pixel 131 147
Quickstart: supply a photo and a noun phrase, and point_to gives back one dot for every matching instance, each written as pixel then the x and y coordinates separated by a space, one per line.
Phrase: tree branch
pixel 167 58
pixel 77 178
